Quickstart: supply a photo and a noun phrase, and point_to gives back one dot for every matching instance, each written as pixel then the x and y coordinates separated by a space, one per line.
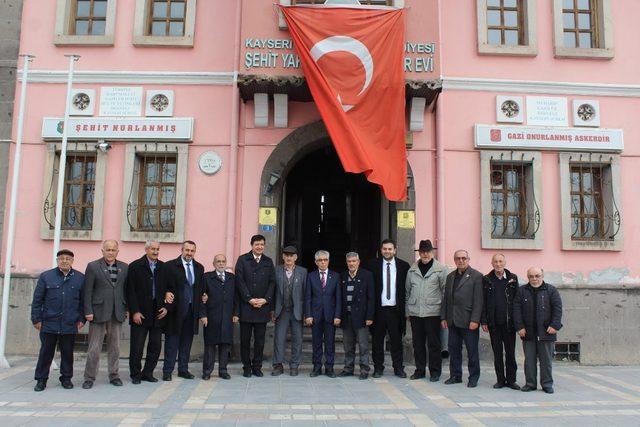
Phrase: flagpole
pixel 4 363
pixel 63 161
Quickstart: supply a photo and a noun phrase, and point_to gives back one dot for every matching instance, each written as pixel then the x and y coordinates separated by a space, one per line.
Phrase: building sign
pixel 120 101
pixel 540 138
pixel 268 216
pixel 94 128
pixel 279 53
pixel 547 111
pixel 406 219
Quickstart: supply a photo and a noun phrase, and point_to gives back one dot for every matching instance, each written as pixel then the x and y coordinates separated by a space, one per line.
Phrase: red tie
pixel 323 281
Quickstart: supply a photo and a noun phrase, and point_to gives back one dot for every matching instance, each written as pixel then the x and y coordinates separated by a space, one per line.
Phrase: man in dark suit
pixel 105 308
pixel 147 312
pixel 218 314
pixel 288 315
pixel 322 311
pixel 358 307
pixel 390 274
pixel 182 279
pixel 461 315
pixel 255 284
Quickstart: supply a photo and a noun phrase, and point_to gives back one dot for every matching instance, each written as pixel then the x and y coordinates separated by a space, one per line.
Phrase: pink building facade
pixel 192 120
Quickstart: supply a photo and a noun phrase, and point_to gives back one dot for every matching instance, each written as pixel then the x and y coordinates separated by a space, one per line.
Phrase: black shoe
pixel 377 374
pixel 40 385
pixel 417 375
pixel 345 374
pixel 87 384
pixel 444 354
pixel 116 382
pixel 472 384
pixel 166 377
pixel 330 372
pixel 246 372
pixel 206 377
pixel 277 370
pixel 453 380
pixel 293 372
pixel 135 380
pixel 186 375
pixel 400 373
pixel 527 387
pixel 363 375
pixel 499 384
pixel 316 372
pixel 66 384
pixel 548 390
pixel 513 386
pixel 434 378
pixel 224 376
pixel 149 378
pixel 257 372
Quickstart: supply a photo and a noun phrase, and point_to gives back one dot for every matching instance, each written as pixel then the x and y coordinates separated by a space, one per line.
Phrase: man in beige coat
pixel 425 286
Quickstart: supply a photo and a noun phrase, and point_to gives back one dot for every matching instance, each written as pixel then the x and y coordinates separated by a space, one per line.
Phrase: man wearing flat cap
pixel 288 313
pixel 425 284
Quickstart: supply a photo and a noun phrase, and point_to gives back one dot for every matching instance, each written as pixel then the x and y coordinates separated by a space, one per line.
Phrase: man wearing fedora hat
pixel 425 287
pixel 288 313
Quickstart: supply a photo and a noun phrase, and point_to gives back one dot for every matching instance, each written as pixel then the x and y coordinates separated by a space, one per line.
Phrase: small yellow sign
pixel 268 216
pixel 406 219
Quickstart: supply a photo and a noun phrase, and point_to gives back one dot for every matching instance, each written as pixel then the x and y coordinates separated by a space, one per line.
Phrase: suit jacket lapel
pixel 463 279
pixel 102 265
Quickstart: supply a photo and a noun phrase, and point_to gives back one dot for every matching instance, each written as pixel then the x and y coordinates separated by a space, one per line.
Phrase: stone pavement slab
pixel 585 396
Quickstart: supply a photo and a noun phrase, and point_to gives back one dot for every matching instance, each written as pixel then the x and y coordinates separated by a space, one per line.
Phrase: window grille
pixel 89 17
pixel 505 22
pixel 594 211
pixel 580 23
pixel 514 210
pixel 567 351
pixel 152 198
pixel 79 190
pixel 166 18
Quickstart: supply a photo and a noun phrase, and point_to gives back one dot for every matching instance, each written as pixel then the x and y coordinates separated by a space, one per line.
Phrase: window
pixel 154 192
pixel 85 22
pixel 507 27
pixel 590 195
pixel 83 197
pixel 164 23
pixel 510 195
pixel 583 28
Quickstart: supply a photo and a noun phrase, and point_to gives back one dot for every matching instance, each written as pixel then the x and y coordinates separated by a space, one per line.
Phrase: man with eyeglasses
pixel 537 316
pixel 461 314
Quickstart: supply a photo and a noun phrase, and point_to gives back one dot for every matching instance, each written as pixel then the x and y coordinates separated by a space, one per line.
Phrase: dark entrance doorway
pixel 327 208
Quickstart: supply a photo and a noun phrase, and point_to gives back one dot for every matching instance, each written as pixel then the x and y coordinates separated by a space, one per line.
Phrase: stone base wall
pixel 604 319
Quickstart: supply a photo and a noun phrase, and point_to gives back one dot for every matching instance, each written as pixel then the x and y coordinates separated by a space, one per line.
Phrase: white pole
pixel 63 161
pixel 4 363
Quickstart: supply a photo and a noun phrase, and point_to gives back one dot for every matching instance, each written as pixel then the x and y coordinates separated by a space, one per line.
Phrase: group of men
pixel 174 297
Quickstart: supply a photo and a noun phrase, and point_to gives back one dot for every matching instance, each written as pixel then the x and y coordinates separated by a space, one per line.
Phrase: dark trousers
pixel 535 350
pixel 323 334
pixel 258 330
pixel 470 338
pixel 48 343
pixel 387 319
pixel 138 337
pixel 180 346
pixel 503 337
pixel 209 358
pixel 425 333
pixel 351 335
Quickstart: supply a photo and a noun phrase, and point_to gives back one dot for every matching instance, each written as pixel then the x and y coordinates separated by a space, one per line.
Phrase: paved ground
pixel 585 396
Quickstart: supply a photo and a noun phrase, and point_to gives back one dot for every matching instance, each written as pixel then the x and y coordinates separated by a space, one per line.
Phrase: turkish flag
pixel 352 59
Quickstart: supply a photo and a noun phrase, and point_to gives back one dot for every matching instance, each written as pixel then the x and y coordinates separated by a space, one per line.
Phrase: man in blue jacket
pixel 57 312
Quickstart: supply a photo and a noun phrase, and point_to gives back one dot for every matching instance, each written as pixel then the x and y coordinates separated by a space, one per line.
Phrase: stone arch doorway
pixel 291 159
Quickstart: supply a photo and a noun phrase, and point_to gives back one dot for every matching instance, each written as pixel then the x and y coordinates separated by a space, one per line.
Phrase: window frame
pixel 566 161
pixel 532 158
pixel 132 185
pixel 529 22
pixel 65 20
pixel 159 185
pixel 50 179
pixel 141 36
pixel 604 27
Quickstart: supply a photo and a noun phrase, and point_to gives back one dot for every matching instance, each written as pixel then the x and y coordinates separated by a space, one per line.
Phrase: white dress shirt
pixel 392 301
